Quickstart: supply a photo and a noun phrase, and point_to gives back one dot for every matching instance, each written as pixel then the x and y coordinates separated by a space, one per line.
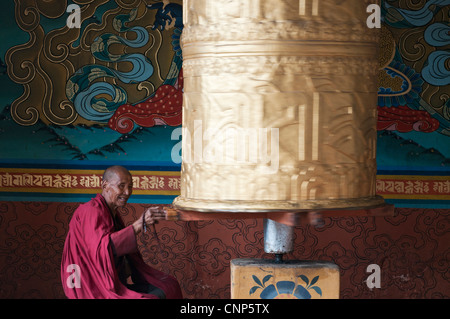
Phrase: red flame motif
pixel 403 119
pixel 163 108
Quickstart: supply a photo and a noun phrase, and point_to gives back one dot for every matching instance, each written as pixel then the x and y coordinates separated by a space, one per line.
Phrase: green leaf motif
pixel 265 279
pixel 254 288
pixel 305 279
pixel 256 279
pixel 314 280
pixel 318 290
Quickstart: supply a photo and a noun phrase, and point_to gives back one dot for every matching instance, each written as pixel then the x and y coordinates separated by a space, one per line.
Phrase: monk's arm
pixel 124 241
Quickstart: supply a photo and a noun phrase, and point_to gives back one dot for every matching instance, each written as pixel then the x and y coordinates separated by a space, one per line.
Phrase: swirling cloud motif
pixel 87 95
pixel 84 92
pixel 415 18
pixel 412 92
pixel 99 109
pixel 59 66
pixel 436 72
pixel 102 43
pixel 437 34
pixel 164 107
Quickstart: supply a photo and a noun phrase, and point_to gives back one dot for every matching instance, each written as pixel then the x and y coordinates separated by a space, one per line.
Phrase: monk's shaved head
pixel 117 186
pixel 113 171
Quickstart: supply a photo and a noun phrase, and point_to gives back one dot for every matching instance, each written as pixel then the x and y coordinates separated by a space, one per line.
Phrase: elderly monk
pixel 101 258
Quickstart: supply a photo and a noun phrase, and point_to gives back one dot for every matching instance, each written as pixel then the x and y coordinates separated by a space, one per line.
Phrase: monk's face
pixel 117 189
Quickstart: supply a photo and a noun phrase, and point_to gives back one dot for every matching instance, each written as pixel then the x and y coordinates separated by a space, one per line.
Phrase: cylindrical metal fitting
pixel 278 238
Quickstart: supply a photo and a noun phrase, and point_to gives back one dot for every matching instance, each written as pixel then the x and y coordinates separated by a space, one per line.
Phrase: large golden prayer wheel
pixel 279 110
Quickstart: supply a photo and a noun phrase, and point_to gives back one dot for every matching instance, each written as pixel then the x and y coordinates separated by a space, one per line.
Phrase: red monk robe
pixel 96 246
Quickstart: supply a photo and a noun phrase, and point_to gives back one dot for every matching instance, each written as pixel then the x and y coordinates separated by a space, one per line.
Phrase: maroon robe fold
pixel 91 249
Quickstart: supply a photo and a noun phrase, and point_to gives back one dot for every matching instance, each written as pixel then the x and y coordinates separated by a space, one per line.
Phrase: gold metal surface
pixel 279 110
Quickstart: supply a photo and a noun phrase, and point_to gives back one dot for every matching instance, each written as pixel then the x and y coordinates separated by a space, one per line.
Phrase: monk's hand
pixel 150 216
pixel 153 214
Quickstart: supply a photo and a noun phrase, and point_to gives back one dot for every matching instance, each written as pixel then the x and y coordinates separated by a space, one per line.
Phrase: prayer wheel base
pixel 264 206
pixel 290 279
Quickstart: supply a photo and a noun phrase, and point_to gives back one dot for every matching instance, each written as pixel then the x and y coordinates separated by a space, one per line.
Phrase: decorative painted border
pixel 418 187
pixel 79 185
pixel 162 186
pixel 83 181
pixel 413 187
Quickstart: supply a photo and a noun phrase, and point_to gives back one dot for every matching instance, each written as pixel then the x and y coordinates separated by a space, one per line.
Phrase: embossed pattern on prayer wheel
pixel 279 110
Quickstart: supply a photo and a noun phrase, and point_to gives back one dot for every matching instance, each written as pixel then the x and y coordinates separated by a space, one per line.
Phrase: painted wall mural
pixel 413 103
pixel 107 92
pixel 111 91
pixel 127 50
